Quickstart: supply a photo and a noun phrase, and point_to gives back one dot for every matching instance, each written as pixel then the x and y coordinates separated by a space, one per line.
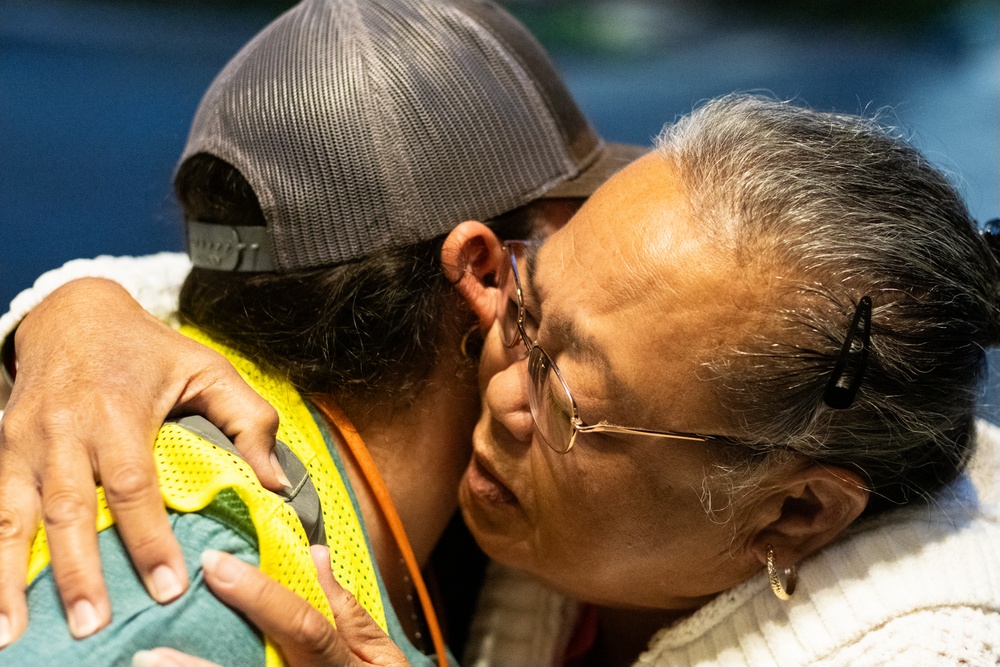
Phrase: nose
pixel 506 399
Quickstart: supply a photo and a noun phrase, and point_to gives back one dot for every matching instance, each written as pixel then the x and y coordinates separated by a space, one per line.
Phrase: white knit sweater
pixel 153 280
pixel 917 586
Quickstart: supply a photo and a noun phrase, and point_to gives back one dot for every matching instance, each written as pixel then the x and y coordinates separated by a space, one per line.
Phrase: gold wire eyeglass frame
pixel 540 365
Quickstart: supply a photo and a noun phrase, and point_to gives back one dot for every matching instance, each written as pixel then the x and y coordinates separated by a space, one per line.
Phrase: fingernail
pixel 282 477
pixel 166 584
pixel 224 569
pixel 152 659
pixel 5 634
pixel 83 620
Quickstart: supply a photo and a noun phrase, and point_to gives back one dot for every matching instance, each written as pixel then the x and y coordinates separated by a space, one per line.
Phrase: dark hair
pixel 841 207
pixel 370 328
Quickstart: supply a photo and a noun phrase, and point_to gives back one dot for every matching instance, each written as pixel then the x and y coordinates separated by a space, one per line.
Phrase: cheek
pixel 503 385
pixel 608 533
pixel 587 509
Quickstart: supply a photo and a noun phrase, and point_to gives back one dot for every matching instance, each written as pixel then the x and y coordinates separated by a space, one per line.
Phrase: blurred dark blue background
pixel 96 98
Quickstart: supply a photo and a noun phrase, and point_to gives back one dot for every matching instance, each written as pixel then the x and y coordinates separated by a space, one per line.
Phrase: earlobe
pixel 812 507
pixel 472 259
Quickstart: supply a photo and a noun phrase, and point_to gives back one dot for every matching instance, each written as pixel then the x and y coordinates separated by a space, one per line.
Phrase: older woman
pixel 727 410
pixel 788 310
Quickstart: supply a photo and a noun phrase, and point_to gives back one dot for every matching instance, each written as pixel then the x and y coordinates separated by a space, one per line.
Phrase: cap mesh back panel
pixel 364 125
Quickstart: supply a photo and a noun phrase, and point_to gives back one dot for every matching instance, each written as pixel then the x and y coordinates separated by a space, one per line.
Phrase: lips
pixel 485 485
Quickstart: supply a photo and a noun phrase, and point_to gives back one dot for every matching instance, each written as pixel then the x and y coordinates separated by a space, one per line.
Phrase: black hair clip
pixel 850 367
pixel 991 234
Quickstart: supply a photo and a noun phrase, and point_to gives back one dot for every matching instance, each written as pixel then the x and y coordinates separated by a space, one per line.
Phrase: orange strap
pixel 353 440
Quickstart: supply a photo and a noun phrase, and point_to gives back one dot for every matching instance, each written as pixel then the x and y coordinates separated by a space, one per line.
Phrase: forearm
pixel 153 280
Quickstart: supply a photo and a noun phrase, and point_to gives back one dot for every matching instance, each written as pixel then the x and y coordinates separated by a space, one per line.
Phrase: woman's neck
pixel 420 452
pixel 623 634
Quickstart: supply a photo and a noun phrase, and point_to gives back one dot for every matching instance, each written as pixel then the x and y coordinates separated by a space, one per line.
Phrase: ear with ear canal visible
pixel 806 510
pixel 472 258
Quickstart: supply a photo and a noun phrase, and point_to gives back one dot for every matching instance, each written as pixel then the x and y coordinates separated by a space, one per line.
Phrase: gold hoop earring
pixel 471 345
pixel 791 577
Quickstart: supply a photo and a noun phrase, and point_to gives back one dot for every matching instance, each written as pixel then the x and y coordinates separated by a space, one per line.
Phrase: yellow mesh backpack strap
pixel 300 494
pixel 350 557
pixel 192 472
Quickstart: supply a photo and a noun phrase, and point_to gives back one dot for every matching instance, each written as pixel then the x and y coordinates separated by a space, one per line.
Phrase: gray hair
pixel 840 207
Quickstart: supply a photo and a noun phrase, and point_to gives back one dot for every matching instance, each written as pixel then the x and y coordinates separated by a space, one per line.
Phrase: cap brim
pixel 610 160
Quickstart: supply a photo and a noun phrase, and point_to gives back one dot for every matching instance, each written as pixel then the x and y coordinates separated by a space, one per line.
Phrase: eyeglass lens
pixel 551 405
pixel 548 395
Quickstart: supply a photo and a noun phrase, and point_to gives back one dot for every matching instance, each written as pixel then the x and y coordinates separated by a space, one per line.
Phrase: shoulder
pixel 939 636
pixel 137 621
pixel 916 576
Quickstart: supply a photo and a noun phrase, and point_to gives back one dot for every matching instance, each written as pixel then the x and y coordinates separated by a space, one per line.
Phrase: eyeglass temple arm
pixel 605 427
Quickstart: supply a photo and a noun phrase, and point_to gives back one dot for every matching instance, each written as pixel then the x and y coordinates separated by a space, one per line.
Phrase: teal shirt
pixel 196 623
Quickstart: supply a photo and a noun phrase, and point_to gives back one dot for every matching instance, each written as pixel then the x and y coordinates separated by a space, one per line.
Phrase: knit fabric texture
pixel 919 585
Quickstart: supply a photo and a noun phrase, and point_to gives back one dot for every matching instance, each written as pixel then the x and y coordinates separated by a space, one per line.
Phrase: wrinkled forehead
pixel 637 276
pixel 635 239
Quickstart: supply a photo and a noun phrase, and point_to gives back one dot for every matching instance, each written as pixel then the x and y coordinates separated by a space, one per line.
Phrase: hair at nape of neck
pixel 887 284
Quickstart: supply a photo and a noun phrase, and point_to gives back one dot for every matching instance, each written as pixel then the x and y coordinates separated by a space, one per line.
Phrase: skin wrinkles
pixel 561 335
pixel 654 546
pixel 603 326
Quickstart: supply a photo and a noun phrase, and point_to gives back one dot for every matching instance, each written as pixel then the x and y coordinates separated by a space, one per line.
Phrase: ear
pixel 807 511
pixel 472 259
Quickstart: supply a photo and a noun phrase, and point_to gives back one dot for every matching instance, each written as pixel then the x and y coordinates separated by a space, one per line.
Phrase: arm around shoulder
pixel 152 280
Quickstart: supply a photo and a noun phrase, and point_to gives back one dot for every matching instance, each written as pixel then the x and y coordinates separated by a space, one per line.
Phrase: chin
pixel 499 534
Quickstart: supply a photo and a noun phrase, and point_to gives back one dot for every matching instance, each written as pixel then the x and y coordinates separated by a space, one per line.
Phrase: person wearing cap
pixel 729 413
pixel 325 166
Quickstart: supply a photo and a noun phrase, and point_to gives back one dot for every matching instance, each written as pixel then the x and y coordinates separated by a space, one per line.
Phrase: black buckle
pixel 229 247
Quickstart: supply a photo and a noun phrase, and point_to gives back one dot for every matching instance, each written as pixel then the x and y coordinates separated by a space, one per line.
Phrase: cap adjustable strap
pixel 229 247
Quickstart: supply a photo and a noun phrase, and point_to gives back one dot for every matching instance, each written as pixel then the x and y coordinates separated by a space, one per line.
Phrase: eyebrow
pixel 568 331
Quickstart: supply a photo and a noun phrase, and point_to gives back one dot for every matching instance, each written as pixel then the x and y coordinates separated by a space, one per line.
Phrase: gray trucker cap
pixel 363 125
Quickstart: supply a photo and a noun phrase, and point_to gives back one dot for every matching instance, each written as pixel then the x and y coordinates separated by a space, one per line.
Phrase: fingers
pixel 132 490
pixel 219 393
pixel 88 402
pixel 19 518
pixel 69 510
pixel 304 635
pixel 357 628
pixel 168 657
pixel 331 587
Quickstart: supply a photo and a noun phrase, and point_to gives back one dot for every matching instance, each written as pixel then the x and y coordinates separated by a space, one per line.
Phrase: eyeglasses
pixel 557 419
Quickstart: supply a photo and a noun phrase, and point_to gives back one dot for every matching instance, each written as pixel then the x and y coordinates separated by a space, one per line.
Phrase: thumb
pixel 221 395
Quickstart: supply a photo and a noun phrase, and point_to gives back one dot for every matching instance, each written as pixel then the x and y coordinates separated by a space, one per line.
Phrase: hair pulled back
pixel 366 329
pixel 840 207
